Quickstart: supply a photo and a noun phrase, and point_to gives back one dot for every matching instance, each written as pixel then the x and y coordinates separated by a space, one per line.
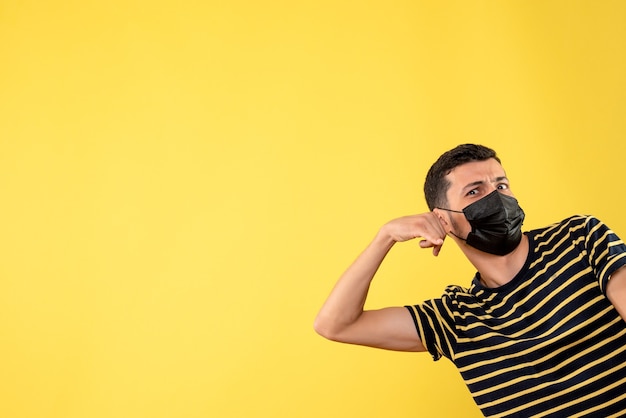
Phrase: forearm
pixel 342 317
pixel 345 303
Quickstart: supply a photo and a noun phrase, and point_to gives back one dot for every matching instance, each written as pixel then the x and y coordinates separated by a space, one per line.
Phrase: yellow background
pixel 183 181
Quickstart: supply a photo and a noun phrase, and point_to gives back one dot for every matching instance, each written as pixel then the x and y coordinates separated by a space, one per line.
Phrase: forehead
pixel 474 171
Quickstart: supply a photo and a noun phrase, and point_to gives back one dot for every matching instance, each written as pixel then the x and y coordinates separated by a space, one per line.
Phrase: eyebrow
pixel 481 182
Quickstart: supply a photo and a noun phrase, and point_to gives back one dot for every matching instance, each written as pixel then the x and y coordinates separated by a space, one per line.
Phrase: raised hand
pixel 425 225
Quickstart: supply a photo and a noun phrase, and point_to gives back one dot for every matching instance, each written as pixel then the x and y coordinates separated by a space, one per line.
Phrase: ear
pixel 442 215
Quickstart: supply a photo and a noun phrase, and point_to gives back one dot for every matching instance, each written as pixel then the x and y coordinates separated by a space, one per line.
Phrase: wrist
pixel 384 237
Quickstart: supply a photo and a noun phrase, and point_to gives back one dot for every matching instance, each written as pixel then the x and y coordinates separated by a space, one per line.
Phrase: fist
pixel 426 226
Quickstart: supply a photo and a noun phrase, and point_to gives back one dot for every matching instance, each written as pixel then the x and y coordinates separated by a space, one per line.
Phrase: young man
pixel 539 332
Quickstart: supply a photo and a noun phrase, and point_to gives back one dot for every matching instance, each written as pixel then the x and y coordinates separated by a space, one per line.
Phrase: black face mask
pixel 496 222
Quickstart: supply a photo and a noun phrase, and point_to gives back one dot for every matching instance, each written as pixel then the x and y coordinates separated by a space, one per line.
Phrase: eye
pixel 503 186
pixel 472 192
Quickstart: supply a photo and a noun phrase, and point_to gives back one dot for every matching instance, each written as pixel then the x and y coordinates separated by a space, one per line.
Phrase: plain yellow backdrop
pixel 183 181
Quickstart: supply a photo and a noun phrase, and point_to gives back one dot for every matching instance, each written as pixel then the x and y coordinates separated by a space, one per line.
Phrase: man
pixel 540 331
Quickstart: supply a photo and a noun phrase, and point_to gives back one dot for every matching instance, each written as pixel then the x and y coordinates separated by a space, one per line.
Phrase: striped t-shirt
pixel 548 343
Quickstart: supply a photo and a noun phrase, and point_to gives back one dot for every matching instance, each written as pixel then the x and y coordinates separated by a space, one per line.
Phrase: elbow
pixel 325 329
pixel 320 328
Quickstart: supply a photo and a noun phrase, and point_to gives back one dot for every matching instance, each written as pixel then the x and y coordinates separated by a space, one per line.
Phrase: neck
pixel 496 271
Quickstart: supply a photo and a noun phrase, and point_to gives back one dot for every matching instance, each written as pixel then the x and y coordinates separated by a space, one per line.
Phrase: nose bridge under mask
pixel 487 206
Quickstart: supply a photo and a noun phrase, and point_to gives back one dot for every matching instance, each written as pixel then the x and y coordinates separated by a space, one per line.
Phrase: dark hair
pixel 436 185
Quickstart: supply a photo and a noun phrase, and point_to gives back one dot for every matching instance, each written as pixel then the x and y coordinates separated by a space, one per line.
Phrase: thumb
pixel 434 244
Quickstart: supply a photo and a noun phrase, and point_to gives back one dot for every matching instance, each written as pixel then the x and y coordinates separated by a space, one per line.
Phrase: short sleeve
pixel 606 252
pixel 435 326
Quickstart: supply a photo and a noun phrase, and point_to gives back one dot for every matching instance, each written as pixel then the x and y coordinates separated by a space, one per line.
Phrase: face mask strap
pixel 455 211
pixel 450 210
pixel 462 239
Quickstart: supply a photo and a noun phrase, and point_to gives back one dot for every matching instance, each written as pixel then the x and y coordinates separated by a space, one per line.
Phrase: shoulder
pixel 578 219
pixel 454 294
pixel 455 290
pixel 577 231
pixel 567 225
